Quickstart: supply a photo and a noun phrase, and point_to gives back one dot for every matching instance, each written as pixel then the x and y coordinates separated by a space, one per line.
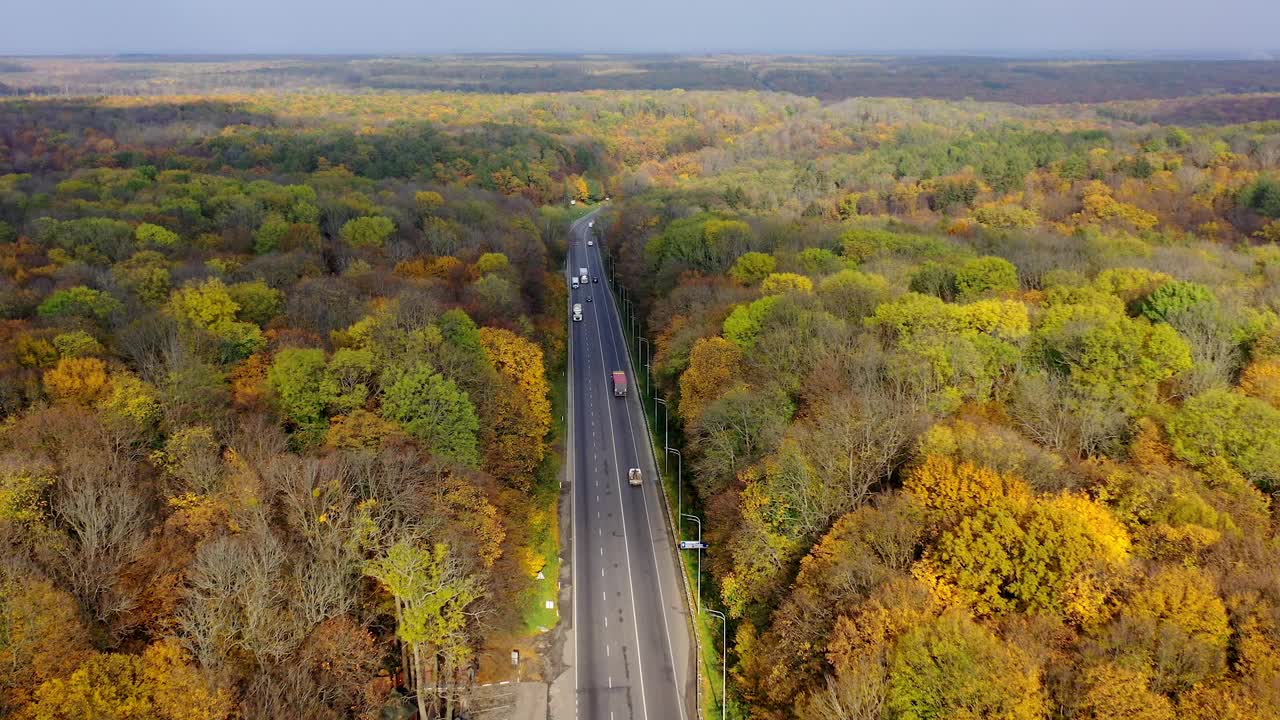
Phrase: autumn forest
pixel 978 396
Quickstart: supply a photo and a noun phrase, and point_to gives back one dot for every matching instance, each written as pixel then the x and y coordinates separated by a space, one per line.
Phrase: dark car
pixel 588 298
pixel 595 278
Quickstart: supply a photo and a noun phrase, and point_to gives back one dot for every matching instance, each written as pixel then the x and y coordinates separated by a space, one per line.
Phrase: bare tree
pixel 239 598
pixel 1216 354
pixel 855 693
pixel 858 437
pixel 105 520
pixel 320 506
pixel 1045 408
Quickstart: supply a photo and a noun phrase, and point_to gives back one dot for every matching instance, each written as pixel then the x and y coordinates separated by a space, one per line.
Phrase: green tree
pixel 151 235
pixel 271 234
pixel 303 385
pixel 735 431
pixel 935 278
pixel 961 349
pixel 1177 298
pixel 147 275
pixel 433 409
pixel 818 261
pixel 209 306
pixel 492 262
pixel 431 597
pixel 751 268
pixel 852 295
pixel 77 343
pixel 1114 364
pixel 79 301
pixel 986 275
pixel 354 370
pixel 258 301
pixel 368 231
pixel 951 668
pixel 1223 426
pixel 744 324
pixel 1262 196
pixel 93 240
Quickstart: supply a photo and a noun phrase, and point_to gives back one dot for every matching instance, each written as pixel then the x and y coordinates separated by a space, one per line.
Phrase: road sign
pixel 692 545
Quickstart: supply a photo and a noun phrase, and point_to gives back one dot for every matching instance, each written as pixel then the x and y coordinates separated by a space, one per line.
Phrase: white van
pixel 577 312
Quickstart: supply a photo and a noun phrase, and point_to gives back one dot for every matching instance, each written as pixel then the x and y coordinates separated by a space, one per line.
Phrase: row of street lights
pixel 642 343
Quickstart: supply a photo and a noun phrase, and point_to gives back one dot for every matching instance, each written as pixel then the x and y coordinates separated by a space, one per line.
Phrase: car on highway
pixel 595 278
pixel 575 283
pixel 633 477
pixel 591 242
pixel 588 298
pixel 577 312
pixel 591 223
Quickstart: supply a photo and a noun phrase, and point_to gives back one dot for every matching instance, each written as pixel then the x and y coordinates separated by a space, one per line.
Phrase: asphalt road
pixel 632 655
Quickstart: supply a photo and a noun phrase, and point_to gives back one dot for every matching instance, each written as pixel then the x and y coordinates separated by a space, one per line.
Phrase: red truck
pixel 619 383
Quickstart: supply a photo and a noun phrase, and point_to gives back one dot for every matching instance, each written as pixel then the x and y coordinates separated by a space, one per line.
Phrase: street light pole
pixel 724 654
pixel 643 344
pixel 648 380
pixel 698 520
pixel 679 481
pixel 666 415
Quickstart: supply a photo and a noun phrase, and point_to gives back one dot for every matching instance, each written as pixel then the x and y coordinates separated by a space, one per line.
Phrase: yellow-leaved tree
pixel 1261 379
pixel 949 490
pixel 1116 692
pixel 951 667
pixel 161 684
pixel 79 380
pixel 522 420
pixel 713 364
pixel 1177 625
pixel 1063 555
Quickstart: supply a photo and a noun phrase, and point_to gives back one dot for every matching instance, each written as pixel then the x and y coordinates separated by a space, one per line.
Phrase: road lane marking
pixel 662 604
pixel 626 543
pixel 573 534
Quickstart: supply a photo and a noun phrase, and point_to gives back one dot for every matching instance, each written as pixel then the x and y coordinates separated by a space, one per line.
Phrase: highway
pixel 632 653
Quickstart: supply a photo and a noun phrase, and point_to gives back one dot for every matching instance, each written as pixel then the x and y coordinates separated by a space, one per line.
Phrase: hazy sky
pixel 425 26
